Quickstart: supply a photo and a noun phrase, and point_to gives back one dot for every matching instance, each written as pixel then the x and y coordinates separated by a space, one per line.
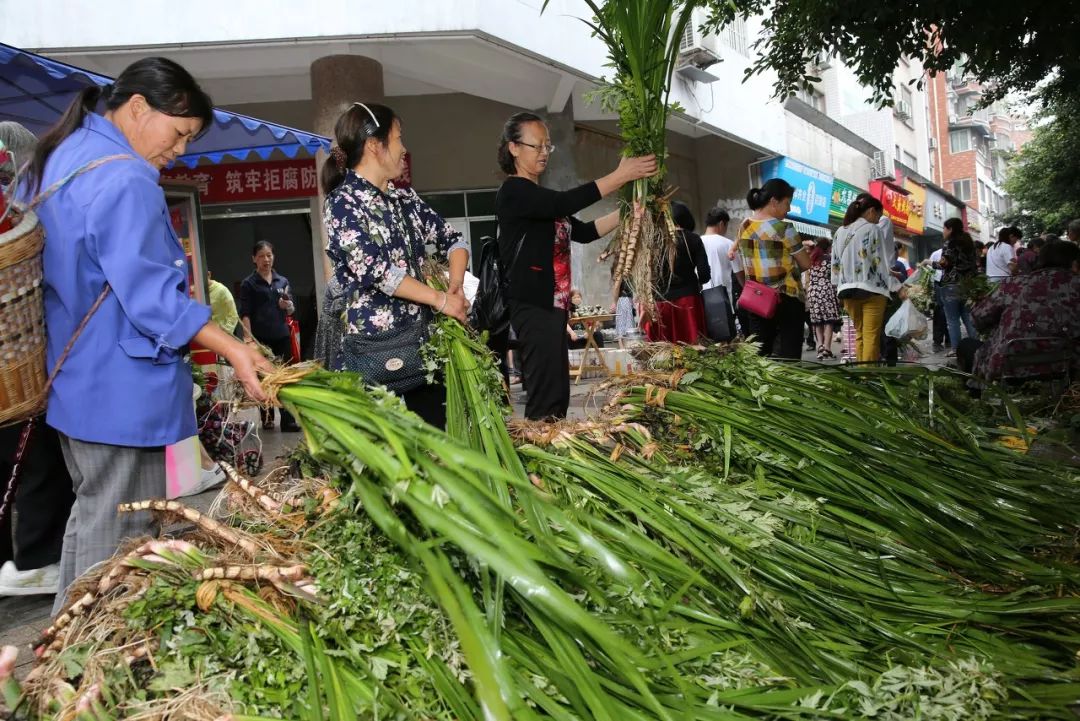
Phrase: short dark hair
pixel 716 216
pixel 259 245
pixel 682 216
pixel 774 188
pixel 1059 254
pixel 1036 242
pixel 351 133
pixel 511 133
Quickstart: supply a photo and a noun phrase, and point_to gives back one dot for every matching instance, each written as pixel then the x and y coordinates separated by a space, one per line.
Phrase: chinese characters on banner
pixel 843 195
pixel 894 199
pixel 813 187
pixel 246 182
pixel 916 222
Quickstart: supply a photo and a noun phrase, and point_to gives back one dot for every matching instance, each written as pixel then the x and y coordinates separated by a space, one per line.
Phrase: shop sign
pixel 843 195
pixel 935 211
pixel 813 188
pixel 245 182
pixel 916 206
pixel 894 199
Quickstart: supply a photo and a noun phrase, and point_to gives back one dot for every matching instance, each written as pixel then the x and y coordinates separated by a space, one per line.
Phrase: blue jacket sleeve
pixel 127 231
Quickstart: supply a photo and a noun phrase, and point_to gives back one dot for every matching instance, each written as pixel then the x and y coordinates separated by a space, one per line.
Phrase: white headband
pixel 373 118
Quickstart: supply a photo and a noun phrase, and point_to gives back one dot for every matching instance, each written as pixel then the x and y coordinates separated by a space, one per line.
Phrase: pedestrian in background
pixel 265 303
pixel 222 306
pixel 1001 258
pixel 680 313
pixel 862 273
pixel 773 255
pixel 1028 259
pixel 821 298
pixel 959 262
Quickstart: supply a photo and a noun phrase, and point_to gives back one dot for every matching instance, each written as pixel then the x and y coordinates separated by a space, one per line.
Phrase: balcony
pixel 964 85
pixel 979 122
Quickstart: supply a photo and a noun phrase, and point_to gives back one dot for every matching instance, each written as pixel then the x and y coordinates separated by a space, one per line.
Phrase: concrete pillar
pixel 590 276
pixel 337 81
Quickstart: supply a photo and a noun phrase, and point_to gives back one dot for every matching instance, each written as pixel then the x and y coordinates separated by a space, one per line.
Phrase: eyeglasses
pixel 546 147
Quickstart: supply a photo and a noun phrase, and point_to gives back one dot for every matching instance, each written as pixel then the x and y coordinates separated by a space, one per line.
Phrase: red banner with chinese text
pixel 246 182
pixel 894 199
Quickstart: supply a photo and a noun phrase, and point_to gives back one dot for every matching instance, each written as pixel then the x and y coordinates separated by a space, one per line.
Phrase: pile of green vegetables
pixel 735 538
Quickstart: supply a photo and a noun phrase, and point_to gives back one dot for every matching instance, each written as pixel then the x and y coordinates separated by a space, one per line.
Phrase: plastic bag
pixel 907 323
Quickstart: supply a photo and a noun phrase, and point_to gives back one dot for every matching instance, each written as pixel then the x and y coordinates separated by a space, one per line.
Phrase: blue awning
pixel 35 91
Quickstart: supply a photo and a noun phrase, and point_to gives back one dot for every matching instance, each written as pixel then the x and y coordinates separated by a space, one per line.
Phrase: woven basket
pixel 22 321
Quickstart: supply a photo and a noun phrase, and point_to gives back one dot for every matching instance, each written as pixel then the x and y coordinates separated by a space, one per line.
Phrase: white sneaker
pixel 211 478
pixel 14 582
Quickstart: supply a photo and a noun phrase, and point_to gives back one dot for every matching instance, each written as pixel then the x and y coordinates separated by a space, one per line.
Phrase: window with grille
pixel 734 35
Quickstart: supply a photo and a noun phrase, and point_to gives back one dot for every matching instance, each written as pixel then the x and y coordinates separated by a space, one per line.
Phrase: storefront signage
pixel 245 182
pixel 813 188
pixel 843 195
pixel 916 206
pixel 894 199
pixel 934 214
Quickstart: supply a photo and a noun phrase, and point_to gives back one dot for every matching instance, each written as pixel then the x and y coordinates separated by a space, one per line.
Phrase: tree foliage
pixel 1011 46
pixel 1044 177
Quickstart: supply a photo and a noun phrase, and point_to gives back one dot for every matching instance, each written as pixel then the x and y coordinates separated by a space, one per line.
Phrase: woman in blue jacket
pixel 124 392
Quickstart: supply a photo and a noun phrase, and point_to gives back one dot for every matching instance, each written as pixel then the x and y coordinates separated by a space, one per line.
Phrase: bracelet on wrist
pixel 445 298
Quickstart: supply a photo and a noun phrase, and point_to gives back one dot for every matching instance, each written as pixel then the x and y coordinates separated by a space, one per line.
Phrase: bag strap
pixel 38 200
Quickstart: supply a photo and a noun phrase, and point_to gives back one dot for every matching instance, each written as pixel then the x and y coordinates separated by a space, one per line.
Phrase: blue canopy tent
pixel 35 91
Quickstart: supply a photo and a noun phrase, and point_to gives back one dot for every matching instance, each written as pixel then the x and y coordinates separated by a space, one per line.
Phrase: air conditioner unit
pixel 933 143
pixel 822 61
pixel 953 119
pixel 879 166
pixel 697 51
pixel 902 110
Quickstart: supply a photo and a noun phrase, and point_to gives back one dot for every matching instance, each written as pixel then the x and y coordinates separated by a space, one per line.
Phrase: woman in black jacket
pixel 680 311
pixel 536 226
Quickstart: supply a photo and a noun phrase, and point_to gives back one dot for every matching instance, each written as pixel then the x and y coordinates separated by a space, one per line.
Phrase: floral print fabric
pixel 561 263
pixel 1043 304
pixel 374 240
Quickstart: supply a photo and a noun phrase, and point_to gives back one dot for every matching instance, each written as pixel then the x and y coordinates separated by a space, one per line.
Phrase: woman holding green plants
pixel 536 226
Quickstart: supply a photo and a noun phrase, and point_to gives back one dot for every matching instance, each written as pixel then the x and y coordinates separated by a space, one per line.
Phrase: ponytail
pixel 753 199
pixel 85 101
pixel 862 203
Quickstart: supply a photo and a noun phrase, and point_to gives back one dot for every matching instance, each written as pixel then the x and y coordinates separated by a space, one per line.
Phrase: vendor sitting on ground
pixel 1041 304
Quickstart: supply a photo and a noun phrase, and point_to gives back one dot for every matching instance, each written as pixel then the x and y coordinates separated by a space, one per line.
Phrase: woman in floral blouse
pixel 377 235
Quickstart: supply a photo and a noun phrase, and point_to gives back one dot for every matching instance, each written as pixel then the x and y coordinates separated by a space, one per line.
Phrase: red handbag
pixel 759 299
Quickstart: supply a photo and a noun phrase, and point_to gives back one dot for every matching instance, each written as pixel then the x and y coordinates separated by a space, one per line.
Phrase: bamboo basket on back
pixel 22 320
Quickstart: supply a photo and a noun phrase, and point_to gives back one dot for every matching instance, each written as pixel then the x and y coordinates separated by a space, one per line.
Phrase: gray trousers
pixel 102 477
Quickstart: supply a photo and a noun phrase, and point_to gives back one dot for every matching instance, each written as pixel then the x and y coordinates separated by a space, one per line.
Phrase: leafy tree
pixel 1044 177
pixel 1011 45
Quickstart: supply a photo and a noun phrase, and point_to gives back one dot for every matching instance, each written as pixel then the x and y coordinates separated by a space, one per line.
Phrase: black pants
pixel 282 349
pixel 429 402
pixel 43 501
pixel 941 328
pixel 965 353
pixel 785 327
pixel 545 359
pixel 740 314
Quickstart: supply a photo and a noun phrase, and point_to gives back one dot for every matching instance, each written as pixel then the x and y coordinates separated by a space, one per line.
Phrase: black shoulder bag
pixel 490 310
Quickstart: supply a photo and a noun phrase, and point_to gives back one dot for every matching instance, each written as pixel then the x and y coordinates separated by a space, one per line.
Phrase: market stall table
pixel 592 325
